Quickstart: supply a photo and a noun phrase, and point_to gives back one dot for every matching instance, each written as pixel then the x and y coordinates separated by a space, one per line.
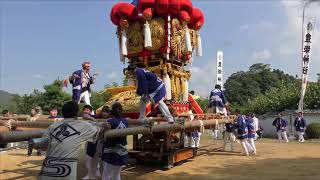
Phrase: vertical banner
pixel 306 54
pixel 219 68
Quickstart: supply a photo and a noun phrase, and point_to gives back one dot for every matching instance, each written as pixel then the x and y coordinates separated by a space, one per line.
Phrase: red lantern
pixel 146 7
pixel 162 7
pixel 184 16
pixel 186 5
pixel 113 15
pixel 128 11
pixel 197 19
pixel 144 4
pixel 174 8
pixel 147 14
pixel 125 11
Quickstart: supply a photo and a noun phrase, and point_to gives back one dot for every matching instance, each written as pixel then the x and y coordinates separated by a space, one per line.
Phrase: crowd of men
pixel 67 133
pixel 247 128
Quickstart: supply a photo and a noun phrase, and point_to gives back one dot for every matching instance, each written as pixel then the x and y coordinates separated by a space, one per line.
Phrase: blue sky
pixel 43 41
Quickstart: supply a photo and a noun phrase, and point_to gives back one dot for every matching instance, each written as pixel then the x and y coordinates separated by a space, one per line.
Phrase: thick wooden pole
pixel 15 136
pixel 27 124
pixel 19 117
pixel 164 127
pixel 45 124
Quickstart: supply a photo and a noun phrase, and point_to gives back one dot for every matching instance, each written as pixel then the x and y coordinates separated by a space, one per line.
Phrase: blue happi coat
pixel 280 124
pixel 114 150
pixel 217 99
pixel 149 84
pixel 300 124
pixel 250 126
pixel 77 88
pixel 230 127
pixel 242 128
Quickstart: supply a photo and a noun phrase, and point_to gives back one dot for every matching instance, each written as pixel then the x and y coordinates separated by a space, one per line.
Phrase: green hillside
pixel 4 97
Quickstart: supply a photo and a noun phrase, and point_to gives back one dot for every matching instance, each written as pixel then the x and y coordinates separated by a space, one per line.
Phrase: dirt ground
pixel 274 161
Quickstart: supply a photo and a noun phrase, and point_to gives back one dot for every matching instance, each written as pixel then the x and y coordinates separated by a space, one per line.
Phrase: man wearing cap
pixel 81 81
pixel 150 88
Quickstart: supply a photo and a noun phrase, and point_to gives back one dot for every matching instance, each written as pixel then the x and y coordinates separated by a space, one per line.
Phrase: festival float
pixel 161 36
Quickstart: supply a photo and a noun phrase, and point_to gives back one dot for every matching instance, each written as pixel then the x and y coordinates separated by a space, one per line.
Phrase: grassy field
pixel 274 161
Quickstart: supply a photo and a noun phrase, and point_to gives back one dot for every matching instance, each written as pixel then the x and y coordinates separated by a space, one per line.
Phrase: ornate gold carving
pixel 129 100
pixel 178 88
pixel 157 33
pixel 193 37
pixel 173 88
pixel 178 37
pixel 183 85
pixel 134 38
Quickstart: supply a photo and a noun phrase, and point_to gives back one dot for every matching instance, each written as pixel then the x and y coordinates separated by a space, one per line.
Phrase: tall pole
pixel 302 44
pixel 306 56
pixel 1 47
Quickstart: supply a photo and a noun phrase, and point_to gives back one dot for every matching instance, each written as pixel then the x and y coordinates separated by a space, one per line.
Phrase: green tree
pixel 98 99
pixel 53 96
pixel 203 103
pixel 244 86
pixel 125 82
pixel 277 99
pixel 113 84
pixel 312 96
pixel 23 104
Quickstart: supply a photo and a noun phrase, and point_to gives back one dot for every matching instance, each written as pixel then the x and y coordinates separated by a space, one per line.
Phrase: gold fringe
pixel 183 86
pixel 173 87
pixel 178 88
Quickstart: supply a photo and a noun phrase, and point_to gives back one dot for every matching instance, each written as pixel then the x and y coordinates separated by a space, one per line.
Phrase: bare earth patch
pixel 274 161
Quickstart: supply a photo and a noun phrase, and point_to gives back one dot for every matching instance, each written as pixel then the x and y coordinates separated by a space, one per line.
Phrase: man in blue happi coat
pixel 150 88
pixel 217 101
pixel 300 125
pixel 81 81
pixel 281 123
pixel 242 133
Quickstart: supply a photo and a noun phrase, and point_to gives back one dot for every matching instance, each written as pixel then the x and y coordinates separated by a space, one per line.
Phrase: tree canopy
pixel 53 97
pixel 242 86
pixel 260 89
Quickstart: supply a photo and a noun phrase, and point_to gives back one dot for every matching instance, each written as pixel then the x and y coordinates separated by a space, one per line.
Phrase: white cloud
pixel 38 76
pixel 259 56
pixel 112 77
pixel 261 25
pixel 244 26
pixel 291 35
pixel 203 78
pixel 266 25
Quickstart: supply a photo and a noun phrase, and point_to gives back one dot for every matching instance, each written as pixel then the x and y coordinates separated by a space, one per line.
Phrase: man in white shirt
pixel 255 125
pixel 65 139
